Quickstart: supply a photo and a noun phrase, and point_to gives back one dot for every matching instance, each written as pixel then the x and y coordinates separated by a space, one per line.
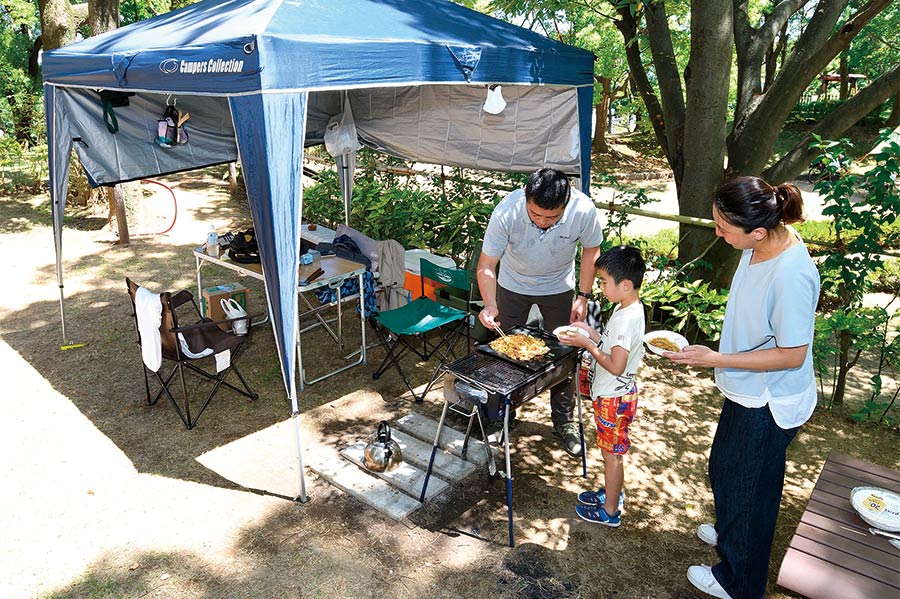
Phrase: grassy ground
pixel 105 496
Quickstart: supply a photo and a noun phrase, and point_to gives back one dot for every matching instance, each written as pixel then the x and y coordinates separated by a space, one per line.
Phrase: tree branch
pixel 754 134
pixel 752 44
pixel 834 124
pixel 627 26
pixel 668 78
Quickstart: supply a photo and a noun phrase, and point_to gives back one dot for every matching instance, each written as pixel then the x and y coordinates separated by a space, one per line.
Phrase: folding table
pixel 337 270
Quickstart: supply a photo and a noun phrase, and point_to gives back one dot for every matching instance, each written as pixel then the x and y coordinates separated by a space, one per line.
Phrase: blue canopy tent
pixel 262 78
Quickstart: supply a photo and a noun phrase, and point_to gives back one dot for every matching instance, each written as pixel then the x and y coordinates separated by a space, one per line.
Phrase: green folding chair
pixel 406 329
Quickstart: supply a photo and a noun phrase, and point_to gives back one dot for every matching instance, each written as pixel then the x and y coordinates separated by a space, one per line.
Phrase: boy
pixel 617 353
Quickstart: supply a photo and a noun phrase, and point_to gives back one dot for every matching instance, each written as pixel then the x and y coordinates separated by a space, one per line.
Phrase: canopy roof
pixel 235 46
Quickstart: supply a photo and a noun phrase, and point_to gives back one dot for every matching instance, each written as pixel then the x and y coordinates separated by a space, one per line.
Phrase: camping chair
pixel 183 345
pixel 399 328
pixel 471 303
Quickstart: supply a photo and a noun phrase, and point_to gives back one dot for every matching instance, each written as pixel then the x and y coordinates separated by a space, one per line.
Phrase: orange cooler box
pixel 413 280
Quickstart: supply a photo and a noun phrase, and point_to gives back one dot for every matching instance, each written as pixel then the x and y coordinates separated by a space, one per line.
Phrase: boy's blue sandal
pixel 598 497
pixel 598 515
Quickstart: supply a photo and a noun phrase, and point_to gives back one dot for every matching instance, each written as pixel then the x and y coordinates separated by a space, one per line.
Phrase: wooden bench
pixel 832 554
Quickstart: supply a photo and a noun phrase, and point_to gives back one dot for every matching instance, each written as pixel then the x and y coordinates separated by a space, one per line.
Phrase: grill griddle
pixel 495 375
pixel 557 352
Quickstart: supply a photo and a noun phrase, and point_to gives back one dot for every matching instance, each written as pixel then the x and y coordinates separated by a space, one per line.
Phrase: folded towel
pixel 187 350
pixel 148 309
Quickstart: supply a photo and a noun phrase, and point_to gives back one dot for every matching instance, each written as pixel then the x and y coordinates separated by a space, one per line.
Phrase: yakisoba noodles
pixel 664 344
pixel 520 347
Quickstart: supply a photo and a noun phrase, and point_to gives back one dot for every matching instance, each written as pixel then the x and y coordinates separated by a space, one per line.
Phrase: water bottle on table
pixel 212 242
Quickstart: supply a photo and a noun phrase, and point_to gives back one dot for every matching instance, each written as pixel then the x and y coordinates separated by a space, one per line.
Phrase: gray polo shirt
pixel 536 262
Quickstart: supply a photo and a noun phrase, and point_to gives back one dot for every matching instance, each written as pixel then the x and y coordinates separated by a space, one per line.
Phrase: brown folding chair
pixel 184 345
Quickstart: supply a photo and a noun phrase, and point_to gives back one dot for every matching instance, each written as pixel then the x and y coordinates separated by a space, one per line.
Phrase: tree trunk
pixel 232 178
pixel 845 77
pixel 704 140
pixel 601 110
pixel 117 210
pixel 57 23
pixel 628 27
pixel 840 386
pixel 103 15
pixel 894 119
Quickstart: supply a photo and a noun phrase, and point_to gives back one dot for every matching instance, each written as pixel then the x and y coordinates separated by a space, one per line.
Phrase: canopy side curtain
pixel 585 114
pixel 269 130
pixel 59 152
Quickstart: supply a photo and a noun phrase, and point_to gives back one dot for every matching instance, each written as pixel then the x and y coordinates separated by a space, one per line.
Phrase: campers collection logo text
pixel 198 67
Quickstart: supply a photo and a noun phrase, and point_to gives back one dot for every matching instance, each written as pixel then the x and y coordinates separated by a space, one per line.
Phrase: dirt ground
pixel 104 496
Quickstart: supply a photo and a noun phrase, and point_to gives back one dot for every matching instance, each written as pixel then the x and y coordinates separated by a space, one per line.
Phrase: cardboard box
pixel 211 307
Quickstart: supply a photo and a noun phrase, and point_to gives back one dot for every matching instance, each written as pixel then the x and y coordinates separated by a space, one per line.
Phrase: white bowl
pixel 570 330
pixel 878 507
pixel 672 336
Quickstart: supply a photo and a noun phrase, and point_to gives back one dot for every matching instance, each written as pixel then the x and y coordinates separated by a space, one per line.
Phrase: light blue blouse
pixel 772 304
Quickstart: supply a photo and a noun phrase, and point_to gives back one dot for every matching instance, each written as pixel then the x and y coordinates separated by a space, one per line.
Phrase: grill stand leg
pixel 465 447
pixel 492 466
pixel 434 448
pixel 509 485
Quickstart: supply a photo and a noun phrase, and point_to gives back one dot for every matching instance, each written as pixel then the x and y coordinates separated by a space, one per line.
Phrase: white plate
pixel 569 329
pixel 878 507
pixel 672 336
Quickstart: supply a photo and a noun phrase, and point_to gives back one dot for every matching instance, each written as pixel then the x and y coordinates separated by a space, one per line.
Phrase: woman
pixel 764 368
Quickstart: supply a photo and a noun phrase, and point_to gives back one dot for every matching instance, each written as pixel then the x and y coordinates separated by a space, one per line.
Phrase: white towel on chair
pixel 148 309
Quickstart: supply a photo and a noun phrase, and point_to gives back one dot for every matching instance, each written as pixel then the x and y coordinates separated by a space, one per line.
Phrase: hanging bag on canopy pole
pixel 340 133
pixel 170 130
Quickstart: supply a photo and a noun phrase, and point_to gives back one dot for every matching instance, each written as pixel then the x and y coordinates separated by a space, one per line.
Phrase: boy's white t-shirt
pixel 625 328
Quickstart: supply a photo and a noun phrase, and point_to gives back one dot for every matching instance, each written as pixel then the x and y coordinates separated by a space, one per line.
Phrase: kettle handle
pixel 384 431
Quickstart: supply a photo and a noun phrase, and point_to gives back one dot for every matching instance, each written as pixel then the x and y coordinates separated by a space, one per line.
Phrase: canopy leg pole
pixel 303 497
pixel 62 313
pixel 66 344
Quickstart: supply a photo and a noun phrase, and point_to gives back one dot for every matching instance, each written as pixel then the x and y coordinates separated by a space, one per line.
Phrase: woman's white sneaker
pixel 708 534
pixel 702 578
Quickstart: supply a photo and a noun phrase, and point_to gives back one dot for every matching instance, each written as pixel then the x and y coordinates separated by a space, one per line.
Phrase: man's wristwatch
pixel 583 294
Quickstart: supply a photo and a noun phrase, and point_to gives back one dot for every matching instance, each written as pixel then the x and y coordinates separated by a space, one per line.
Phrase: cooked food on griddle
pixel 664 344
pixel 520 347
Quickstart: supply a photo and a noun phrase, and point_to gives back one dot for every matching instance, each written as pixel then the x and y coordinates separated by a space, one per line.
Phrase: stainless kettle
pixel 382 453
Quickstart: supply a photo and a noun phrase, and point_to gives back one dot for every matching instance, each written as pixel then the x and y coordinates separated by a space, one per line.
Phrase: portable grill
pixel 493 384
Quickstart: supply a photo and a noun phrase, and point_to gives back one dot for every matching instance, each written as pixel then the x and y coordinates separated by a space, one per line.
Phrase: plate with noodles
pixel 663 341
pixel 570 330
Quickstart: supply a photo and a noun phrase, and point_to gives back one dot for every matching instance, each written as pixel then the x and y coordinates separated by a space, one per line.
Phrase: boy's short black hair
pixel 623 262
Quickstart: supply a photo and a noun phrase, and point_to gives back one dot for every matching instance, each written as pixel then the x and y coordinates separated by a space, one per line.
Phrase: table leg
pixel 362 319
pixel 340 329
pixel 300 361
pixel 199 283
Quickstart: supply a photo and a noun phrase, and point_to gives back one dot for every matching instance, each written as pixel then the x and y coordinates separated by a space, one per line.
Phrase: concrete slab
pixel 369 489
pixel 424 428
pixel 446 465
pixel 405 476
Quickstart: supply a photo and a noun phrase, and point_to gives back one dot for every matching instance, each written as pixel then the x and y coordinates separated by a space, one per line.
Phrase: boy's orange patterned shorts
pixel 612 415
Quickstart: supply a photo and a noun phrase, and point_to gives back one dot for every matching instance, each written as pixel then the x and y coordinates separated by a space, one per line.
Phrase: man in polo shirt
pixel 536 231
